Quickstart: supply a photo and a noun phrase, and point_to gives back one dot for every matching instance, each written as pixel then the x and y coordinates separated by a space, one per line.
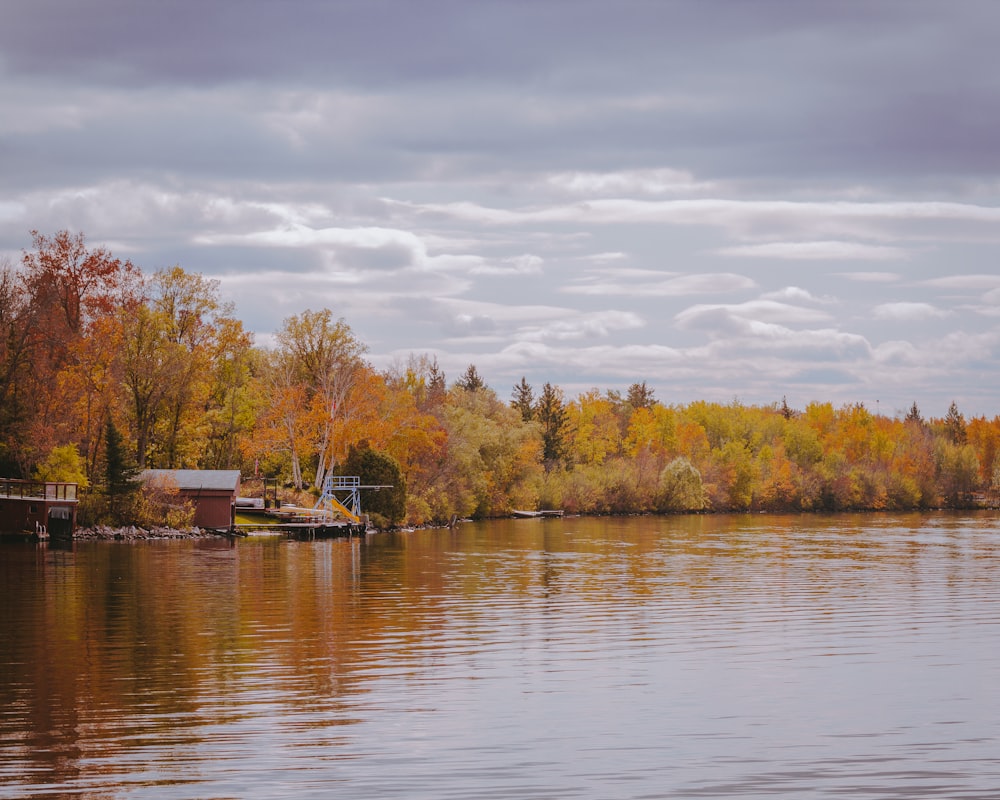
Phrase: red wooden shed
pixel 213 492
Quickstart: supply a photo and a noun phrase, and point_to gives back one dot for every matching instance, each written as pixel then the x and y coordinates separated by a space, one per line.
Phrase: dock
pixel 38 509
pixel 550 512
pixel 296 521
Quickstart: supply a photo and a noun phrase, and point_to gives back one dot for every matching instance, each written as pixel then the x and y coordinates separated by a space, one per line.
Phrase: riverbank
pixel 133 533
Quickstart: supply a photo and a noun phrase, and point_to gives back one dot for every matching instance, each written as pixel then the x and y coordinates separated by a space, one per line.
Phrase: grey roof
pixel 212 479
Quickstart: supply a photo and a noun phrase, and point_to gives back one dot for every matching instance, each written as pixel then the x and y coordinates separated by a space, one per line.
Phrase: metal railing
pixel 13 488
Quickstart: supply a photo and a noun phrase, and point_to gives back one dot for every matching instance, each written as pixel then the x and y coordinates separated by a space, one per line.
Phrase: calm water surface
pixel 729 657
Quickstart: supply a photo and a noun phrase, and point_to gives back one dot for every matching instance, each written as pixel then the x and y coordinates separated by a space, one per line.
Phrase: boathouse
pixel 212 491
pixel 37 507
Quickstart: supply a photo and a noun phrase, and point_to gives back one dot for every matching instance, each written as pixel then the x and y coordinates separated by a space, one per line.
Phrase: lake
pixel 650 657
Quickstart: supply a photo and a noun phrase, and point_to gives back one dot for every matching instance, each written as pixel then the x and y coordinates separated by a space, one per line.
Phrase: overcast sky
pixel 725 199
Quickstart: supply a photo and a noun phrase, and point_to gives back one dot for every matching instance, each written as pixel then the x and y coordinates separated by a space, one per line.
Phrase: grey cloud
pixel 546 183
pixel 621 283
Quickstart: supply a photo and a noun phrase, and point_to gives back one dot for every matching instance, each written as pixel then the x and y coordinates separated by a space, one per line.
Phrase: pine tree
pixel 550 411
pixel 786 410
pixel 640 396
pixel 524 400
pixel 471 380
pixel 954 425
pixel 120 473
pixel 435 381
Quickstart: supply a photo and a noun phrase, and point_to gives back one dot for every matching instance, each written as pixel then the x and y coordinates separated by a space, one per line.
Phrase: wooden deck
pixel 294 521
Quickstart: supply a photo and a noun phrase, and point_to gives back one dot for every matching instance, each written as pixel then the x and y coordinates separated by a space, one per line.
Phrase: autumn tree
pixel 78 282
pixel 493 456
pixel 414 403
pixel 193 317
pixel 68 289
pixel 592 426
pixel 229 413
pixel 63 464
pixel 152 360
pixel 285 421
pixel 328 359
pixel 15 364
pixel 680 487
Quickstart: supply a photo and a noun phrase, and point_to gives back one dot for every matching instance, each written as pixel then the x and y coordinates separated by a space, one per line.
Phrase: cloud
pixel 618 283
pixel 583 326
pixel 531 323
pixel 964 282
pixel 796 294
pixel 739 217
pixel 809 251
pixel 754 316
pixel 551 214
pixel 871 277
pixel 628 182
pixel 907 311
pixel 525 264
pixel 603 258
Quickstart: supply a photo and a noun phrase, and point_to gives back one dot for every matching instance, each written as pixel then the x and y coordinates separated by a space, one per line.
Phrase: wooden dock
pixel 296 522
pixel 552 512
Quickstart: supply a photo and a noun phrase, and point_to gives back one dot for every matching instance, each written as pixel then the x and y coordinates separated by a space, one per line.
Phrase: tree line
pixel 105 369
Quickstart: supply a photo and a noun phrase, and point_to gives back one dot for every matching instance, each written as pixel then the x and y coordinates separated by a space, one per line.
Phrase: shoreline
pixel 133 533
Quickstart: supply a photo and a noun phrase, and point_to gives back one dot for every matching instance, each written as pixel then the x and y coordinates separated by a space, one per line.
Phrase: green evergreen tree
pixel 550 411
pixel 120 473
pixel 640 396
pixel 436 386
pixel 524 400
pixel 471 380
pixel 954 425
pixel 378 469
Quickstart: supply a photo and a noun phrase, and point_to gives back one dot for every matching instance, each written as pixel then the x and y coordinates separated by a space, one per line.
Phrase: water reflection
pixel 653 657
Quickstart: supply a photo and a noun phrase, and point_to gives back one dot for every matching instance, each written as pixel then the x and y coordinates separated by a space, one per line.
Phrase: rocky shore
pixel 133 533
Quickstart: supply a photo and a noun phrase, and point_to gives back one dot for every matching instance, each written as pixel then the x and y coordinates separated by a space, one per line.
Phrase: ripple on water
pixel 694 657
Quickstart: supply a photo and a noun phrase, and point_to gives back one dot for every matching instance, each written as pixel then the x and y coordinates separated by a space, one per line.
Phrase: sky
pixel 735 200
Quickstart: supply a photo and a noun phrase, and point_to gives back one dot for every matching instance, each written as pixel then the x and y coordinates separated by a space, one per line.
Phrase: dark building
pixel 37 507
pixel 212 491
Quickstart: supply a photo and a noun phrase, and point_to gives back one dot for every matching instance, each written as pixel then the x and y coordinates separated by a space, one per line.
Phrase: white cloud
pixel 797 294
pixel 907 311
pixel 525 264
pixel 745 316
pixel 963 282
pixel 871 277
pixel 815 251
pixel 618 283
pixel 740 217
pixel 602 258
pixel 582 326
pixel 628 182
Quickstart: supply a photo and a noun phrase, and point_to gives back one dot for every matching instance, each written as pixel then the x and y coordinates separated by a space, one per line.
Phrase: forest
pixel 106 370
